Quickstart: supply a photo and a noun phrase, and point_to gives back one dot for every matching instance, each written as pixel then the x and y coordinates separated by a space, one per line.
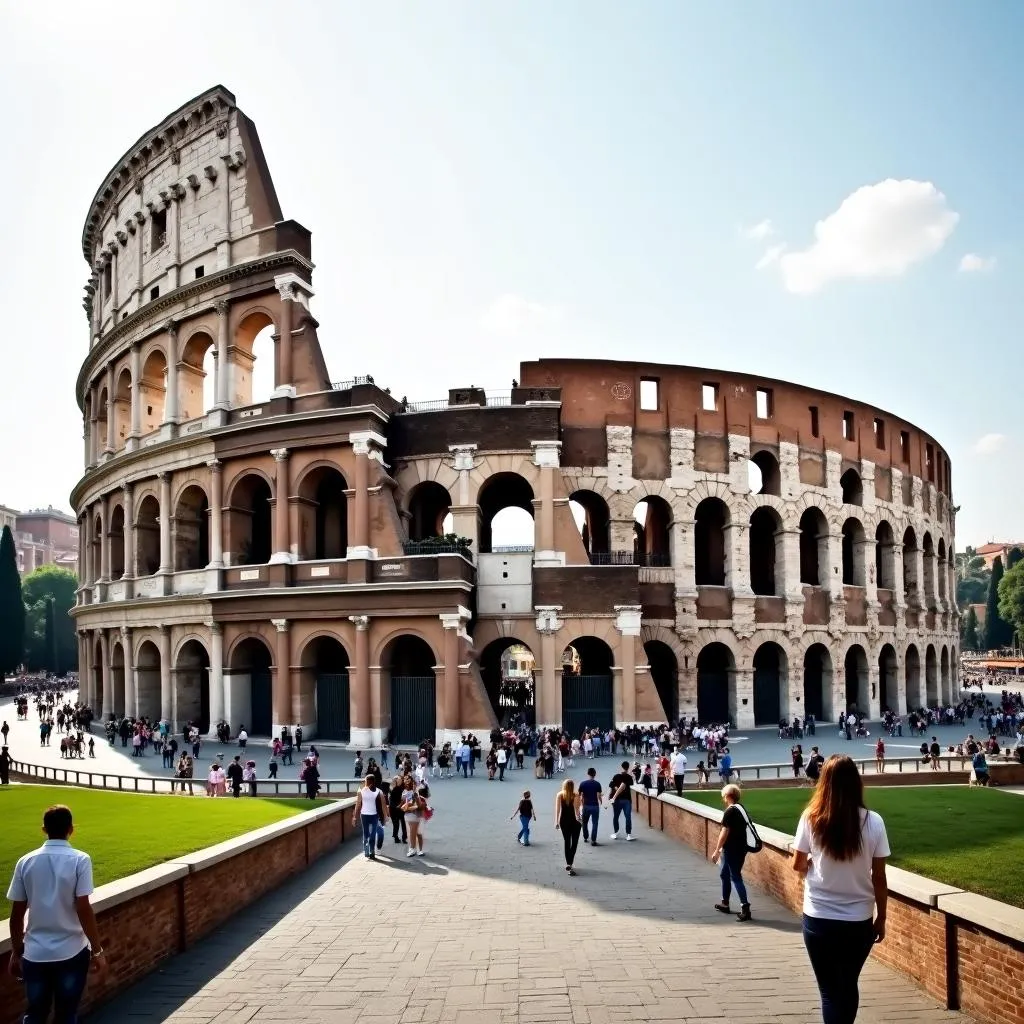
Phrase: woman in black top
pixel 732 852
pixel 397 814
pixel 526 815
pixel 567 820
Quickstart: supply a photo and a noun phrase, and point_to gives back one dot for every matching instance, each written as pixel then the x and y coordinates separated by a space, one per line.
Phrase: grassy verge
pixel 126 832
pixel 970 838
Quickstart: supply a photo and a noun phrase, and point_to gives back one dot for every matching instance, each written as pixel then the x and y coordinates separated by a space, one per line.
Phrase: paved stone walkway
pixel 481 930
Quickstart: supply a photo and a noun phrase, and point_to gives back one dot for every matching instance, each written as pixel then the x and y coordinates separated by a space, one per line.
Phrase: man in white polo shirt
pixel 679 770
pixel 53 955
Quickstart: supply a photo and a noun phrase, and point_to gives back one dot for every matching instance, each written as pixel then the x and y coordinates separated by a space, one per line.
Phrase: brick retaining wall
pixel 154 914
pixel 965 950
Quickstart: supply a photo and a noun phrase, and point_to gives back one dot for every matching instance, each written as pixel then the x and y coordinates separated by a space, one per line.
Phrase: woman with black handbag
pixel 736 839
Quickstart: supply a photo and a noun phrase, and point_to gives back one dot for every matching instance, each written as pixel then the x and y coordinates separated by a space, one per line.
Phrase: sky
pixel 825 193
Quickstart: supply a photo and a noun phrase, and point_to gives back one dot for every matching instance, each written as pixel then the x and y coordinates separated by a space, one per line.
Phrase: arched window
pixel 652 532
pixel 196 376
pixel 191 530
pixel 153 391
pixel 928 551
pixel 763 475
pixel 323 519
pixel 147 536
pixel 115 537
pixel 506 513
pixel 940 569
pixel 250 522
pixel 885 562
pixel 253 371
pixel 711 520
pixel 813 548
pixel 429 511
pixel 593 520
pixel 766 554
pixel 853 553
pixel 853 489
pixel 910 580
pixel 122 409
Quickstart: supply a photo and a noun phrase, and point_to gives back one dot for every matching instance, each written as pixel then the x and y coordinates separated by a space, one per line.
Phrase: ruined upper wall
pixel 600 393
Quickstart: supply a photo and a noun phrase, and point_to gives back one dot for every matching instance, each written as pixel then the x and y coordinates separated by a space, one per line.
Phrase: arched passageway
pixel 763 475
pixel 912 671
pixel 251 690
pixel 117 678
pixel 323 515
pixel 191 530
pixel 818 683
pixel 710 522
pixel 250 521
pixel 885 557
pixel 100 682
pixel 716 685
pixel 945 687
pixel 911 583
pixel 931 676
pixel 324 676
pixel 429 511
pixel 888 681
pixel 147 670
pixel 408 663
pixel 771 685
pixel 192 687
pixel 507 667
pixel 853 489
pixel 853 553
pixel 652 532
pixel 147 536
pixel 590 511
pixel 664 669
pixel 506 513
pixel 115 535
pixel 855 667
pixel 813 548
pixel 588 699
pixel 766 551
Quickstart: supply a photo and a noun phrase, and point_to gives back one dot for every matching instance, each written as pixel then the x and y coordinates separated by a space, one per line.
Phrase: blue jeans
pixel 369 832
pixel 60 983
pixel 837 951
pixel 524 832
pixel 731 875
pixel 590 813
pixel 622 807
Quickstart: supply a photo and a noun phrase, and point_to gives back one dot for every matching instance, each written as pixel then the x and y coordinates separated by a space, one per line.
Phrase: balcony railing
pixel 493 399
pixel 345 385
pixel 434 547
pixel 649 559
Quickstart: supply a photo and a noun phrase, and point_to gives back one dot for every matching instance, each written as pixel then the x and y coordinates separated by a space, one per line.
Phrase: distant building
pixel 990 552
pixel 42 537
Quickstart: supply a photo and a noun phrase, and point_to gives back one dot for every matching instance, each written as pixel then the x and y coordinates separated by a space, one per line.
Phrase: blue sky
pixel 493 182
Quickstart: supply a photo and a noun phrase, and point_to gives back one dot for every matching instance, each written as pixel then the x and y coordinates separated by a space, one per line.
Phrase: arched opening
pixel 931 676
pixel 250 691
pixel 192 688
pixel 408 663
pixel 716 685
pixel 813 548
pixel 818 683
pixel 885 561
pixel 115 537
pixel 910 580
pixel 196 376
pixel 771 685
pixel 940 569
pixel 763 475
pixel 191 530
pixel 912 673
pixel 147 670
pixel 250 522
pixel 652 532
pixel 96 548
pixel 323 515
pixel 153 391
pixel 593 520
pixel 928 550
pixel 254 359
pixel 853 489
pixel 587 694
pixel 430 507
pixel 766 551
pixel 858 697
pixel 711 519
pixel 664 668
pixel 324 689
pixel 945 684
pixel 888 681
pixel 147 536
pixel 101 422
pixel 507 667
pixel 100 682
pixel 122 409
pixel 117 676
pixel 506 513
pixel 853 553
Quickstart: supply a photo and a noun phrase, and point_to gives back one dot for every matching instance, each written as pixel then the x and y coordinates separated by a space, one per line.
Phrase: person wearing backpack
pixel 732 849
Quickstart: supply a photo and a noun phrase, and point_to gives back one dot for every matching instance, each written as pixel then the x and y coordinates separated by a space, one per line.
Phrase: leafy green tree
pixel 12 610
pixel 972 578
pixel 998 632
pixel 56 650
pixel 969 631
pixel 1011 597
pixel 1013 558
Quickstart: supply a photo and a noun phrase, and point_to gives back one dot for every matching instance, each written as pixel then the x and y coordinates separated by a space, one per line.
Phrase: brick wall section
pixel 922 941
pixel 173 905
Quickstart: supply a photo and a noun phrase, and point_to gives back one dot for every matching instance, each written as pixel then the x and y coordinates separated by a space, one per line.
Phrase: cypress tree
pixel 998 633
pixel 12 608
pixel 51 640
pixel 970 641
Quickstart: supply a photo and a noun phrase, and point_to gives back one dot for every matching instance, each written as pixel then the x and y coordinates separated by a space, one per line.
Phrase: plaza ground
pixel 965 837
pixel 125 833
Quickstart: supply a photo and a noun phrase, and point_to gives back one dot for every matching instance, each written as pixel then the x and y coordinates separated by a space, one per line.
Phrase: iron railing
pixel 345 385
pixel 649 559
pixel 493 400
pixel 434 547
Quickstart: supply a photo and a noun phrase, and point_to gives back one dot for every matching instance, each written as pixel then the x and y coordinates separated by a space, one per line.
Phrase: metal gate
pixel 712 697
pixel 587 702
pixel 767 709
pixel 262 704
pixel 332 715
pixel 413 709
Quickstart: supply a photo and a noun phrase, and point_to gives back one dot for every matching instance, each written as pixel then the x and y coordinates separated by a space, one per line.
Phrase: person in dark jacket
pixel 397 814
pixel 311 776
pixel 235 773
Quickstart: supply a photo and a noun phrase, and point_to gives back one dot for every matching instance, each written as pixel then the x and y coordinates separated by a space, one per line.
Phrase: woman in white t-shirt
pixel 840 849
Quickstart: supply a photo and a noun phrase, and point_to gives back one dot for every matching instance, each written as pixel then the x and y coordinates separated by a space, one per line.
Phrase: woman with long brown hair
pixel 840 849
pixel 567 821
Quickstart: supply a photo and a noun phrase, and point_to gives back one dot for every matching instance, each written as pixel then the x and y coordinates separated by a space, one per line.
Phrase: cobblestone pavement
pixel 482 930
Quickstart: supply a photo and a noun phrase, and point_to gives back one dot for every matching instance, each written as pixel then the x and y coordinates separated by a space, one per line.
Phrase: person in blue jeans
pixel 371 808
pixel 526 815
pixel 621 788
pixel 590 792
pixel 732 852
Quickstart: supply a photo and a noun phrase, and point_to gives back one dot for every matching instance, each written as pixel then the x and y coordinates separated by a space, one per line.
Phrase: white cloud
pixel 770 257
pixel 989 444
pixel 759 232
pixel 512 315
pixel 973 263
pixel 878 231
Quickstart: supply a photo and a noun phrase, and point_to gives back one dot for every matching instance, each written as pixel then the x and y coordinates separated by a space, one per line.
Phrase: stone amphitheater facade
pixel 690 541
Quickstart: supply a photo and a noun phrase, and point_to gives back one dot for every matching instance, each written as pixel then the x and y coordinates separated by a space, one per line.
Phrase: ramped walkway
pixel 483 931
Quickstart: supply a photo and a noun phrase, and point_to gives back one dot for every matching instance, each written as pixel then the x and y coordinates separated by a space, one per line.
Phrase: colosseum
pixel 664 540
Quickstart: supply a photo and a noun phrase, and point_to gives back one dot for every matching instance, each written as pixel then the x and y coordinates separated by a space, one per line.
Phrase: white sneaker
pixel 629 839
pixel 422 853
pixel 411 853
pixel 614 835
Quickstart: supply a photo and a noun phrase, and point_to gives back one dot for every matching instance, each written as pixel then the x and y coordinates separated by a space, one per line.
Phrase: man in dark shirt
pixel 622 802
pixel 590 791
pixel 234 773
pixel 814 763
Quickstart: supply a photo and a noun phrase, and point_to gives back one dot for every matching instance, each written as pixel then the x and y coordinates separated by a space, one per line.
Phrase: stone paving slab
pixel 482 930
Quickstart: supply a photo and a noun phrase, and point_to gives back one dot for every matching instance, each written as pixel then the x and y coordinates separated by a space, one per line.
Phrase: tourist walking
pixel 395 809
pixel 841 849
pixel 526 815
pixel 880 756
pixel 370 811
pixel 590 797
pixel 678 770
pixel 411 810
pixel 52 886
pixel 732 851
pixel 567 821
pixel 621 790
pixel 236 774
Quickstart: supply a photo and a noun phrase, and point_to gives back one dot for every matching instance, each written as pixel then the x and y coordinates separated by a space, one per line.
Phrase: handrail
pixel 168 783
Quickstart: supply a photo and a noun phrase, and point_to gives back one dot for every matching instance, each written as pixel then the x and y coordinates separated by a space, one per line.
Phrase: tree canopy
pixel 998 632
pixel 1011 598
pixel 972 577
pixel 50 643
pixel 969 640
pixel 12 609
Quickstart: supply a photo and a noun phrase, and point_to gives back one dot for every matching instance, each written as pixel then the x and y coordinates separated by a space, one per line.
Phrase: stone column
pixel 452 625
pixel 129 534
pixel 131 690
pixel 627 622
pixel 222 385
pixel 94 429
pixel 105 541
pixel 361 731
pixel 465 516
pixel 282 676
pixel 171 398
pixel 109 445
pixel 83 677
pixel 166 689
pixel 546 458
pixel 136 422
pixel 108 692
pixel 165 522
pixel 216 513
pixel 920 598
pixel 86 442
pixel 366 445
pixel 216 676
pixel 282 542
pixel 743 685
pixel 283 377
pixel 549 697
pixel 899 600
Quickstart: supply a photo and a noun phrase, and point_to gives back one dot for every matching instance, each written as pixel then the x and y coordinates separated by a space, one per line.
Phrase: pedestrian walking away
pixel 841 849
pixel 621 790
pixel 567 821
pixel 526 814
pixel 732 851
pixel 678 770
pixel 590 798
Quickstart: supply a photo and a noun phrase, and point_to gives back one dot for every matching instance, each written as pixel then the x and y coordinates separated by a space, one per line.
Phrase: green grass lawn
pixel 970 838
pixel 123 832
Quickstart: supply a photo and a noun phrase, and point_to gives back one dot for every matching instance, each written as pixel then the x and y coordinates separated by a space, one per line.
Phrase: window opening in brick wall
pixel 879 434
pixel 929 462
pixel 154 293
pixel 904 446
pixel 848 426
pixel 200 271
pixel 157 230
pixel 709 397
pixel 649 395
pixel 765 404
pixel 108 281
pixel 815 430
